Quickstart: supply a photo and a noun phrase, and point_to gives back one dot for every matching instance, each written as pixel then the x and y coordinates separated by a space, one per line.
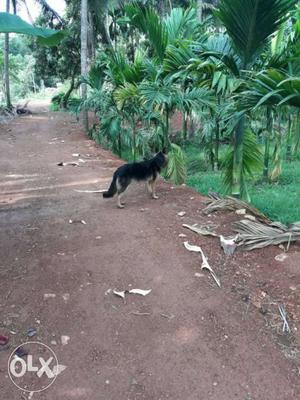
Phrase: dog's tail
pixel 112 189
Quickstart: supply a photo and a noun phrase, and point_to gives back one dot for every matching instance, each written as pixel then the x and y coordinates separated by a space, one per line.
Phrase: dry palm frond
pixel 201 230
pixel 256 235
pixel 231 203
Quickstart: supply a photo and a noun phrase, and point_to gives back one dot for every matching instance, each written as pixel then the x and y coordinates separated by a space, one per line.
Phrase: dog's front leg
pixel 149 187
pixel 153 183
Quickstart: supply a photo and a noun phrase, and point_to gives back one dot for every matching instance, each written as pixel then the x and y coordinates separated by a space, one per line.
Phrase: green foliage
pixel 22 66
pixel 149 23
pixel 251 163
pixel 272 88
pixel 13 23
pixel 176 169
pixel 250 23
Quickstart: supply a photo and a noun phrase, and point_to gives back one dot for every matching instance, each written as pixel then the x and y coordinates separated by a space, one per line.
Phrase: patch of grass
pixel 205 182
pixel 280 200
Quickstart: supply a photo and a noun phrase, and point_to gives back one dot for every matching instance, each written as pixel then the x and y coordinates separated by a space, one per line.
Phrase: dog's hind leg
pixel 120 205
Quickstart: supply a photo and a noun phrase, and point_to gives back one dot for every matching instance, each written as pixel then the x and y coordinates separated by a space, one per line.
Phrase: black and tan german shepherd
pixel 147 171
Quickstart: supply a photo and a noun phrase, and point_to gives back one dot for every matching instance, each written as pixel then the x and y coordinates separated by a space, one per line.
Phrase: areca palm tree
pixel 249 24
pixel 83 57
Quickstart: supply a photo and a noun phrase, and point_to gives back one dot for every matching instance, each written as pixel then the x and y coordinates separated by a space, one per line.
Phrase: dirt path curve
pixel 186 340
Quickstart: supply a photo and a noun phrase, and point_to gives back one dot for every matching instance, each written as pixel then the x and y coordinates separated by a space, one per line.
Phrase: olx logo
pixel 33 366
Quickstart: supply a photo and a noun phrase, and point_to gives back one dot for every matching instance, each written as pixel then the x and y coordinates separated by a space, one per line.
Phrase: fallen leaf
pixel 120 294
pixel 241 211
pixel 58 369
pixel 251 217
pixel 77 221
pixel 90 191
pixel 66 296
pixel 63 164
pixel 191 247
pixel 140 291
pixel 281 257
pixel 228 245
pixel 139 313
pixel 167 316
pixel 64 339
pixel 201 230
pixel 49 295
pixel 205 264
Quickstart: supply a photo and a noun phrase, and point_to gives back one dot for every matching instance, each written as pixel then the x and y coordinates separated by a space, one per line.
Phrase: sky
pixel 34 8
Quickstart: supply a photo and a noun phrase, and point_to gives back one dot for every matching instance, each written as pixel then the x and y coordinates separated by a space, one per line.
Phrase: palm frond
pixel 197 98
pixel 128 93
pixel 252 162
pixel 148 22
pixel 271 88
pixel 219 47
pixel 176 169
pixel 177 57
pixel 156 93
pixel 180 24
pixel 250 23
pixel 95 77
pixel 256 235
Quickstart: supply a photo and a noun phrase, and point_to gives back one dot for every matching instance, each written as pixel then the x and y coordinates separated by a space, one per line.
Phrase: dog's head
pixel 161 158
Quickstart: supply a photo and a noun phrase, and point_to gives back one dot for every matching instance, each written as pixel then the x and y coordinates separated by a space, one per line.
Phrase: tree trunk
pixel 108 38
pixel 217 143
pixel 91 38
pixel 161 7
pixel 134 139
pixel 166 143
pixel 199 10
pixel 70 90
pixel 184 125
pixel 6 65
pixel 238 158
pixel 84 61
pixel 268 134
pixel 297 135
pixel 289 140
pixel 119 144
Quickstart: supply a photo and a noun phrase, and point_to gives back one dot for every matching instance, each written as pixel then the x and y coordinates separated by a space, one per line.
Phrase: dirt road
pixel 186 340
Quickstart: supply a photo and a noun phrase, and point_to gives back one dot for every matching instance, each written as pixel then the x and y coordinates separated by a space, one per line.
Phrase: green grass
pixel 280 201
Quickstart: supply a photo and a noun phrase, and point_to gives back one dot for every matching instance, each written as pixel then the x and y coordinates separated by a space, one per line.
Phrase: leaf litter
pixel 205 264
pixel 132 291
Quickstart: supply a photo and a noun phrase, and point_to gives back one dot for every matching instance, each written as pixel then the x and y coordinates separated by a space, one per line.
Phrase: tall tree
pixel 199 10
pixel 6 64
pixel 84 61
